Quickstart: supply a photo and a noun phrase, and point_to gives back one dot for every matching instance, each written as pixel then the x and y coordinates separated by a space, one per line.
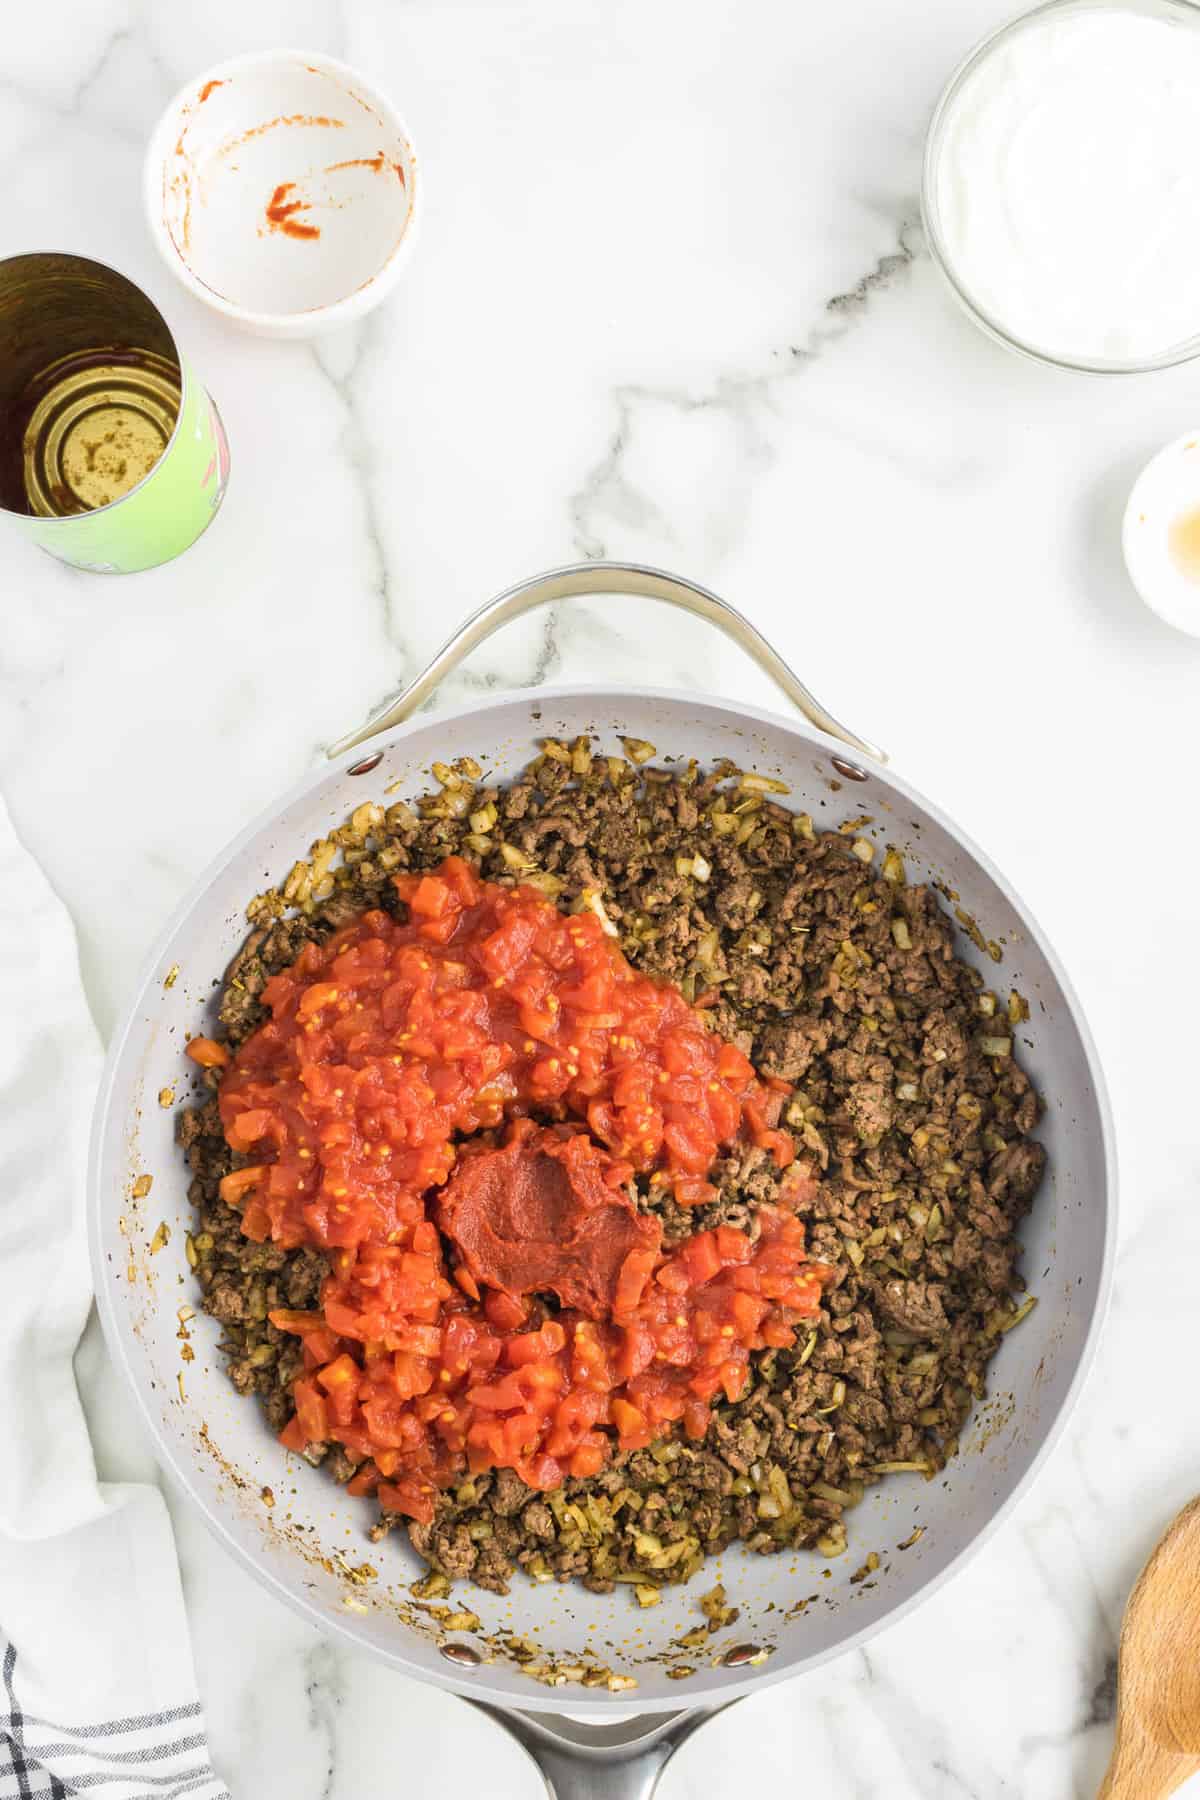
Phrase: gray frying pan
pixel 303 1538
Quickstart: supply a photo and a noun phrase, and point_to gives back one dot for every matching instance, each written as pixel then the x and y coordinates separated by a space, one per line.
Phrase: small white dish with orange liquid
pixel 1160 535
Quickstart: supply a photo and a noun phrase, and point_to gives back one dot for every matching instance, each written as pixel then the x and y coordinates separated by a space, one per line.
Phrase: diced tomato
pixel 673 1276
pixel 311 1412
pixel 410 1496
pixel 504 1310
pixel 733 1379
pixel 732 1066
pixel 541 1472
pixel 256 1221
pixel 389 1047
pixel 316 998
pixel 587 1460
pixel 293 1436
pixel 692 1190
pixel 285 1319
pixel 320 1346
pixel 440 930
pixel 411 1375
pixel 637 1349
pixel 507 949
pixel 690 1146
pixel 536 1346
pixel 364 1481
pixel 733 1246
pixel 591 994
pixel 462 879
pixel 746 1312
pixel 239 1181
pixel 430 898
pixel 724 1111
pixel 696 1418
pixel 636 1271
pixel 343 1371
pixel 574 1416
pixel 702 1258
pixel 246 1129
pixel 590 1366
pixel 627 1419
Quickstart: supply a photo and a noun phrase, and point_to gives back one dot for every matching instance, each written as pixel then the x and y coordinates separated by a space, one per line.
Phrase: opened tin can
pixel 112 455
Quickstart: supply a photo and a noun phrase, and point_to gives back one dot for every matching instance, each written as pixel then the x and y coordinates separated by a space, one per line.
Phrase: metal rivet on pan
pixel 372 762
pixel 741 1653
pixel 462 1654
pixel 848 769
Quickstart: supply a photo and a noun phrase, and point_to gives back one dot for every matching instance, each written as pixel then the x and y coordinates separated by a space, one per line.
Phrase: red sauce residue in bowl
pixel 281 213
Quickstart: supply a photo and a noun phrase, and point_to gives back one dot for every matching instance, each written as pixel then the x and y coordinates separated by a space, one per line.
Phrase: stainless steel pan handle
pixel 604 578
pixel 600 1762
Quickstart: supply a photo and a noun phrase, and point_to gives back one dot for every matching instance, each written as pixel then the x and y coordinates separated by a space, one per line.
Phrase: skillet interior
pixel 307 1543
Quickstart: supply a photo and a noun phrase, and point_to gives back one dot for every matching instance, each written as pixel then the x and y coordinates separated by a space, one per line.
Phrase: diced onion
pixel 593 902
pixel 516 859
pixel 638 750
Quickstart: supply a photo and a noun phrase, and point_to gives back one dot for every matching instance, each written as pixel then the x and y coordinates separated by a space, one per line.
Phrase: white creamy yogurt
pixel 1067 181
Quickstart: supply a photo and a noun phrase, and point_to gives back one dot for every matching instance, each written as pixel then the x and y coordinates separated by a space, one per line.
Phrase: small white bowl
pixel 281 189
pixel 1160 534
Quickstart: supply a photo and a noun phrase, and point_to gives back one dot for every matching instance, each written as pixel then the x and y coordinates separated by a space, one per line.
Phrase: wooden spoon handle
pixel 1140 1770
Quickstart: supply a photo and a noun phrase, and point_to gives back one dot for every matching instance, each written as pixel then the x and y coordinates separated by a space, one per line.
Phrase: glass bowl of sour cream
pixel 1061 187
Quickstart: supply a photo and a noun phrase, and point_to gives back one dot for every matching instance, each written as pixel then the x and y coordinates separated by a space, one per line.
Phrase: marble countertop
pixel 670 303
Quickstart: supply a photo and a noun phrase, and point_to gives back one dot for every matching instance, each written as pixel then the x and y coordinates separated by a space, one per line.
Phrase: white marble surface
pixel 671 302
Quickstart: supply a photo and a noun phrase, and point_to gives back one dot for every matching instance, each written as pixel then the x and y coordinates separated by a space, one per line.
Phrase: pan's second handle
pixel 600 1762
pixel 605 578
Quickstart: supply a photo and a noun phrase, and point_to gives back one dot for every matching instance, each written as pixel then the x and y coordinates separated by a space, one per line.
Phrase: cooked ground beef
pixel 829 971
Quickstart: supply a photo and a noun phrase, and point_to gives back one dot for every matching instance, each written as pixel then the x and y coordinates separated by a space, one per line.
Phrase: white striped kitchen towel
pixel 97 1689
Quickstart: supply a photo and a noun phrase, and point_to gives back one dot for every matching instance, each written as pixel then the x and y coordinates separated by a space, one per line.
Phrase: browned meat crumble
pixel 829 970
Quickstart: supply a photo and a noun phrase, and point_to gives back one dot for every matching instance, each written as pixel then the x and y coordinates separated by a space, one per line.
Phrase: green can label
pixel 167 510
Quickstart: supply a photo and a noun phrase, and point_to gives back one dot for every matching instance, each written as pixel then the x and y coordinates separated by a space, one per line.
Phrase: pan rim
pixel 709 1686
